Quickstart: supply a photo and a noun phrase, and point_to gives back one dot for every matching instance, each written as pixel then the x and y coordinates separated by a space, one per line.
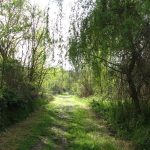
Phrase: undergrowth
pixel 14 107
pixel 123 119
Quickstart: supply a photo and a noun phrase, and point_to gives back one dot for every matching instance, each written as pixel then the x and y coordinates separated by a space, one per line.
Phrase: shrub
pixel 122 117
pixel 15 105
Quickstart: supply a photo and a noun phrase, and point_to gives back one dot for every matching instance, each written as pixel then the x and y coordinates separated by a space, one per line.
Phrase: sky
pixel 63 30
pixel 65 23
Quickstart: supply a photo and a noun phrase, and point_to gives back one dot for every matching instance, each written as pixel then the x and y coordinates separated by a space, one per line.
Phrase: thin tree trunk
pixel 2 74
pixel 134 93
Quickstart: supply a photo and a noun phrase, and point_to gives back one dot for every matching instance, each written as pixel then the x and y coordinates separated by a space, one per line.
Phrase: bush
pixel 141 137
pixel 122 117
pixel 15 106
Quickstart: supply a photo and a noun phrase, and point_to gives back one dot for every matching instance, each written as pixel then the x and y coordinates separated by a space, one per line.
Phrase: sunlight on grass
pixel 65 123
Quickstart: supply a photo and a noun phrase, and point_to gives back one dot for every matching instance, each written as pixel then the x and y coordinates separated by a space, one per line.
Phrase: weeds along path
pixel 66 123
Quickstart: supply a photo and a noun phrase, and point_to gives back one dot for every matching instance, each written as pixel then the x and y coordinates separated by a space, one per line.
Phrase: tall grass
pixel 124 120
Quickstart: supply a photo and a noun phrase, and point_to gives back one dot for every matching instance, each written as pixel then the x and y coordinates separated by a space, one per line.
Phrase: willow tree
pixel 115 34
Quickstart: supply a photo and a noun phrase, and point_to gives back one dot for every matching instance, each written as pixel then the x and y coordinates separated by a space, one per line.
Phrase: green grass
pixel 121 116
pixel 65 123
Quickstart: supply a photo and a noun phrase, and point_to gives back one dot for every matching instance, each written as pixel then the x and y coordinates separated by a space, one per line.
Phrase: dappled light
pixel 74 75
pixel 65 123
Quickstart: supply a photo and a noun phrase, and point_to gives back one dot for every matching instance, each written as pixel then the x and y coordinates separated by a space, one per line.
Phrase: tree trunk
pixel 130 79
pixel 134 93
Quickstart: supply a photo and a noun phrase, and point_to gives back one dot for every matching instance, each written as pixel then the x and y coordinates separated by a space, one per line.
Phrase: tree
pixel 115 34
pixel 24 42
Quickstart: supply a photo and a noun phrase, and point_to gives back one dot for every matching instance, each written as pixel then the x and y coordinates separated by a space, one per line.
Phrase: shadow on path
pixel 66 123
pixel 75 127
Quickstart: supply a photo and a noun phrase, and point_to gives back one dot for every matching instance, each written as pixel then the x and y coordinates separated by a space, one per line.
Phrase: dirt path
pixel 64 124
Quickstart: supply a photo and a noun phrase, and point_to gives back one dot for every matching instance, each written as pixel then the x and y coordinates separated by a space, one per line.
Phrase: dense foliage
pixel 113 43
pixel 109 48
pixel 114 35
pixel 24 41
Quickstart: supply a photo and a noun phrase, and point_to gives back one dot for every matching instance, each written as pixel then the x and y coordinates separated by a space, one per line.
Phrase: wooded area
pixel 24 40
pixel 109 51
